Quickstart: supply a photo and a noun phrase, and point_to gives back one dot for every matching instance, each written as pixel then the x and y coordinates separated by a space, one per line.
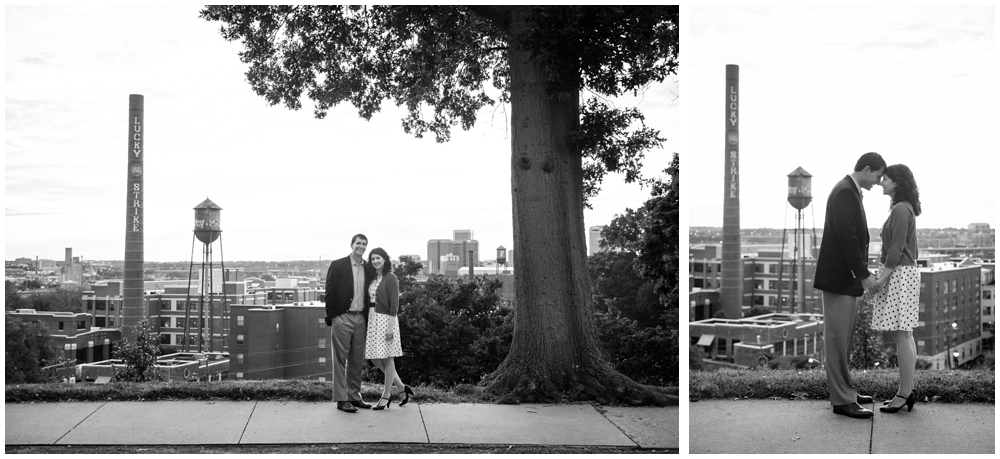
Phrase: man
pixel 347 283
pixel 842 274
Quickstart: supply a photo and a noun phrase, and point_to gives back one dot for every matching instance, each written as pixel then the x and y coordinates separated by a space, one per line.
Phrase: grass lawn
pixel 273 389
pixel 948 386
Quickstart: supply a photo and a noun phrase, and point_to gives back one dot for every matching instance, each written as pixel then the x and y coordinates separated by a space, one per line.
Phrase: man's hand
pixel 388 335
pixel 869 284
pixel 328 321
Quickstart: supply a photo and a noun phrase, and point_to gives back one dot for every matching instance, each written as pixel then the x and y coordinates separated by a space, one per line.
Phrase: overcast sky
pixel 820 86
pixel 290 186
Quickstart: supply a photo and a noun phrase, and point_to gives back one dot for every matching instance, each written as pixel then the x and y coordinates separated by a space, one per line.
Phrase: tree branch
pixel 499 15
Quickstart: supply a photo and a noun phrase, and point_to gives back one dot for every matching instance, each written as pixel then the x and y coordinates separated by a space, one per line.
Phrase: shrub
pixel 647 355
pixel 694 359
pixel 138 356
pixel 453 332
pixel 27 348
pixel 868 348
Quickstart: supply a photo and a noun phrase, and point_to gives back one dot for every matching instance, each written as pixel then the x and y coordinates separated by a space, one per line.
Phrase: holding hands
pixel 870 285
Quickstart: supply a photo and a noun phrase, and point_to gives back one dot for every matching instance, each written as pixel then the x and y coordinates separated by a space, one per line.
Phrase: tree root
pixel 603 385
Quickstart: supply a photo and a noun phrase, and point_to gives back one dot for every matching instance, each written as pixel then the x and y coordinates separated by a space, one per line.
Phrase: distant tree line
pixel 56 299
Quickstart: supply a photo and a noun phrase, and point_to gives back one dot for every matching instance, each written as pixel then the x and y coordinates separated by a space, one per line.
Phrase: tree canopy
pixel 445 63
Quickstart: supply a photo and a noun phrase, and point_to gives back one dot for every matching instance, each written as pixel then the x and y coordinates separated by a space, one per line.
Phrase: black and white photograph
pixel 841 217
pixel 353 229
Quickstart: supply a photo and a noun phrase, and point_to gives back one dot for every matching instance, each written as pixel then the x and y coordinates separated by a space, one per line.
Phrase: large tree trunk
pixel 555 353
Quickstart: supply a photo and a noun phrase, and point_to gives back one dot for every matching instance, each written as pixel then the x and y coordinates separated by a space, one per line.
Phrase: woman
pixel 383 327
pixel 898 283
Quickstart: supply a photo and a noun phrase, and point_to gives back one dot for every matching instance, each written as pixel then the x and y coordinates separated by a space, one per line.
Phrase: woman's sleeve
pixel 899 221
pixel 393 291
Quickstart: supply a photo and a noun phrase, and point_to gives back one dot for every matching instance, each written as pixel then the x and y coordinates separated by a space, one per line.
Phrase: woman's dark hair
pixel 387 266
pixel 906 186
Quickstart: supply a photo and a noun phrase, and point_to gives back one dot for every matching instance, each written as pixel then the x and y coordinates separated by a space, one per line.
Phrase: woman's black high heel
pixel 408 392
pixel 908 404
pixel 380 406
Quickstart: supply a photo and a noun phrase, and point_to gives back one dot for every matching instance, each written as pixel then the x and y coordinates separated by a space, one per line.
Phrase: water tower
pixel 799 197
pixel 207 229
pixel 501 258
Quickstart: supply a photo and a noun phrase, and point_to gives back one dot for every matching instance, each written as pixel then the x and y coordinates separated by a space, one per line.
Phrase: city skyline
pixel 820 86
pixel 280 176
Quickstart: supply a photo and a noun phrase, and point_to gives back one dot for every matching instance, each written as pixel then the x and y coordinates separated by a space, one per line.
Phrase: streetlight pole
pixel 947 339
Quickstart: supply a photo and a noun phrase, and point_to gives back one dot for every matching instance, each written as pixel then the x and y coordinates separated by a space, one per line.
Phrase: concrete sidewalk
pixel 276 422
pixel 809 426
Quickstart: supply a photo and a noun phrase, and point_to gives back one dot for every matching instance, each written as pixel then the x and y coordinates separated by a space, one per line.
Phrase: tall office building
pixel 595 239
pixel 437 248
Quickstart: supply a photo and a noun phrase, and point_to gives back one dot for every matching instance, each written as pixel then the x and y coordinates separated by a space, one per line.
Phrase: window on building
pixel 699 267
pixel 987 310
pixel 322 343
pixel 945 292
pixel 758 284
pixel 239 339
pixel 239 375
pixel 322 322
pixel 697 283
pixel 60 326
pixel 987 294
pixel 322 362
pixel 81 325
pixel 758 267
pixel 954 285
pixel 165 322
pixel 164 338
pixel 239 321
pixel 239 359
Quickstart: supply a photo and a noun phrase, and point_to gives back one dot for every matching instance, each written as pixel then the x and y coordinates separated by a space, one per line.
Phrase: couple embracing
pixel 843 276
pixel 362 301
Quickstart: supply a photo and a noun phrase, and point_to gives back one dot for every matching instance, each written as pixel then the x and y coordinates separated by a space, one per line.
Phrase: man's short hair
pixel 871 160
pixel 358 236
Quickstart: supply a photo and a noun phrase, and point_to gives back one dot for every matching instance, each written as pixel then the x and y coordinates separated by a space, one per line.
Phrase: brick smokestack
pixel 732 265
pixel 133 289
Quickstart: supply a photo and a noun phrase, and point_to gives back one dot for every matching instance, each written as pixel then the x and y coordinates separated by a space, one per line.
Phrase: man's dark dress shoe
pixel 345 406
pixel 360 404
pixel 863 399
pixel 853 410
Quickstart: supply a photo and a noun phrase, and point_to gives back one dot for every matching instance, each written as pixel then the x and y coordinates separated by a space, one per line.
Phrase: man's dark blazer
pixel 340 287
pixel 843 254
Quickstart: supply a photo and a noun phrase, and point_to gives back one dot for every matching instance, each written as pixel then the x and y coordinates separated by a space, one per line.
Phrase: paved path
pixel 809 426
pixel 276 422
